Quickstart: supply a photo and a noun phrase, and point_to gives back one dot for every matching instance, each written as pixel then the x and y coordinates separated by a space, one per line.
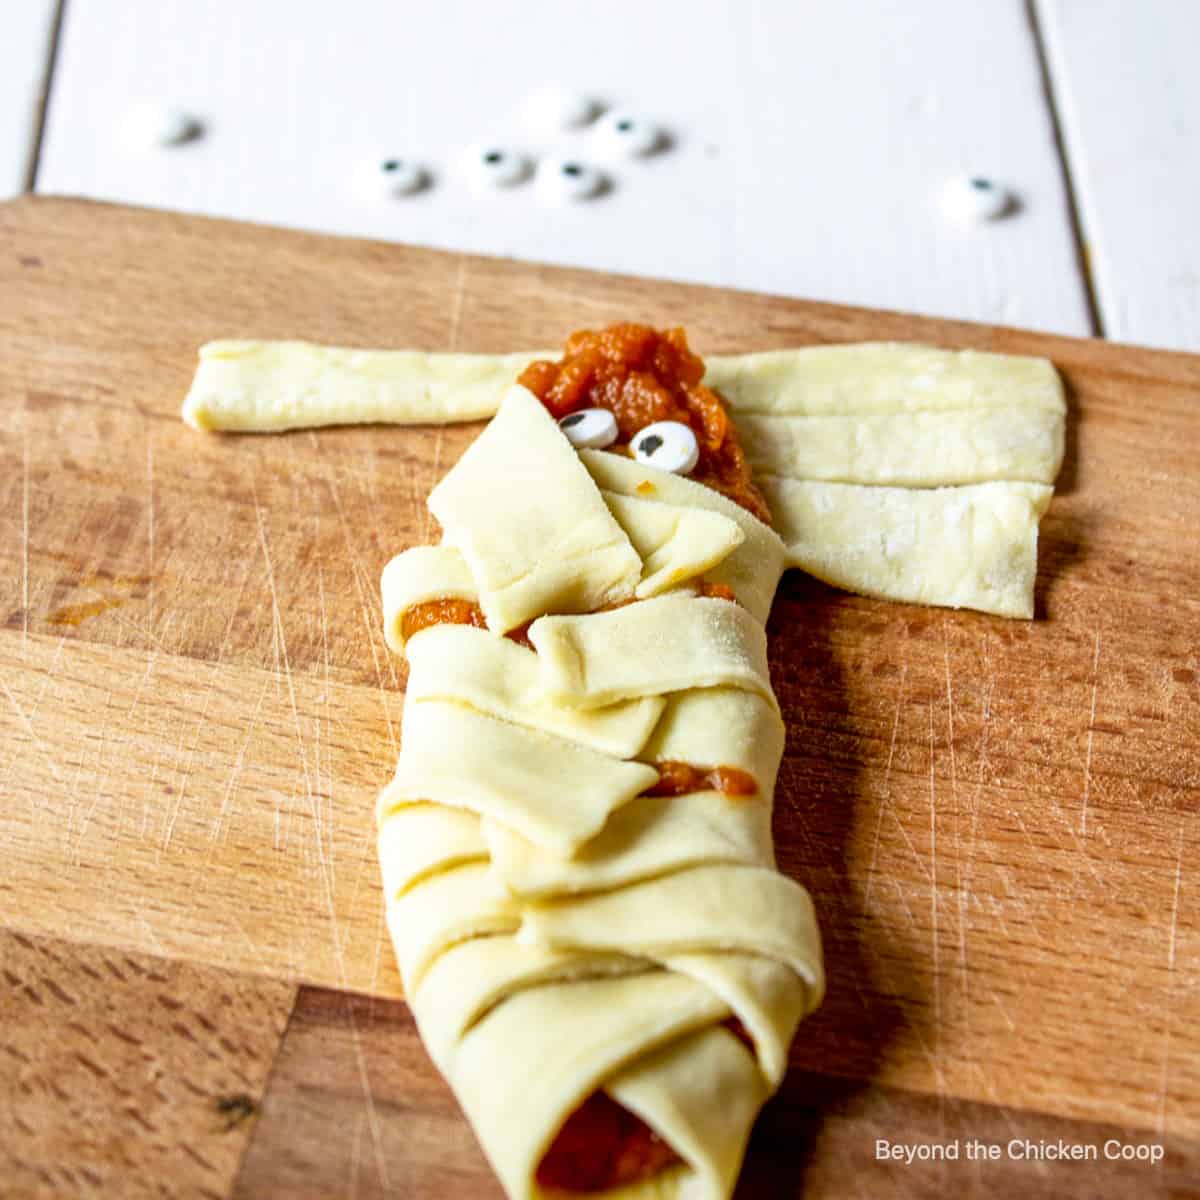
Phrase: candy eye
pixel 569 179
pixel 496 166
pixel 976 198
pixel 667 445
pixel 399 177
pixel 590 428
pixel 630 134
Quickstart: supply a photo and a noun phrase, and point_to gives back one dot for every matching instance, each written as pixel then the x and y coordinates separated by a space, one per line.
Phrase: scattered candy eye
pixel 399 177
pixel 552 108
pixel 976 198
pixel 590 428
pixel 667 445
pixel 497 166
pixel 631 134
pixel 162 125
pixel 569 179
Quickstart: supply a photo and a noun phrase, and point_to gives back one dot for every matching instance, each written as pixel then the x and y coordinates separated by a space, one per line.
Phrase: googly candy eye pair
pixel 558 178
pixel 667 445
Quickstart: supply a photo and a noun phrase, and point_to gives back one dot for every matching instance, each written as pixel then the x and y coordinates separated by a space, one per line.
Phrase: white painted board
pixel 810 140
pixel 25 28
pixel 1128 90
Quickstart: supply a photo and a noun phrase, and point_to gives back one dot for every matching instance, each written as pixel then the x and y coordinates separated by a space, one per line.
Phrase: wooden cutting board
pixel 997 820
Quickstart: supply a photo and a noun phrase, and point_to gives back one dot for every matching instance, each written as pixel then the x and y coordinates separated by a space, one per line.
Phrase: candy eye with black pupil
pixel 497 166
pixel 627 133
pixel 562 179
pixel 669 446
pixel 590 428
pixel 399 177
pixel 974 198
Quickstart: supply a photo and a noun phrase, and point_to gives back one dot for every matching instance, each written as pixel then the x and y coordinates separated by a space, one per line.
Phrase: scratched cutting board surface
pixel 997 820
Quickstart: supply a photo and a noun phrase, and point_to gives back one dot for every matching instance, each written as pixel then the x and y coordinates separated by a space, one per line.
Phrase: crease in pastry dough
pixel 417 841
pixel 502 679
pixel 648 837
pixel 667 644
pixel 751 570
pixel 713 907
pixel 530 524
pixel 471 979
pixel 676 543
pixel 766 996
pixel 452 755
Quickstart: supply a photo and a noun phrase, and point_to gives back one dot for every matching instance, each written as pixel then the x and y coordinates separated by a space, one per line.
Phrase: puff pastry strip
pixel 867 416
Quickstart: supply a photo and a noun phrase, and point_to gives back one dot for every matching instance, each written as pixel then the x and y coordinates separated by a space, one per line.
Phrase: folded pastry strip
pixel 554 840
pixel 450 754
pixel 502 679
pixel 667 644
pixel 965 547
pixel 569 555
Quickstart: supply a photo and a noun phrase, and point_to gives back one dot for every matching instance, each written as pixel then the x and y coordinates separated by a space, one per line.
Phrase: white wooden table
pixel 809 142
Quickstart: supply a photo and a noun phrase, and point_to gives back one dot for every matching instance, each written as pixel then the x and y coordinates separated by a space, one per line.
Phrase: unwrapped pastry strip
pixel 869 415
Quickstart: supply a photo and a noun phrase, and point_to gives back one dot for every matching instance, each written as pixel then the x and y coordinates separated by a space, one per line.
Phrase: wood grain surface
pixel 997 820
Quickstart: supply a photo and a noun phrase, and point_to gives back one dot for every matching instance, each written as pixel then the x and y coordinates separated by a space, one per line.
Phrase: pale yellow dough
pixel 960 547
pixel 558 931
pixel 269 387
pixel 874 414
pixel 568 555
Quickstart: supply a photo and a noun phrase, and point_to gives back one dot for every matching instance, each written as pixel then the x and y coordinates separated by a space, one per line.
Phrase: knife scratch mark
pixel 1166 1059
pixel 456 304
pixel 24 525
pixel 356 1155
pixel 47 676
pixel 369 1097
pixel 185 772
pixel 308 786
pixel 150 597
pixel 251 729
pixel 933 888
pixel 213 677
pixel 329 812
pixel 1087 766
pixel 357 572
pixel 887 792
pixel 33 737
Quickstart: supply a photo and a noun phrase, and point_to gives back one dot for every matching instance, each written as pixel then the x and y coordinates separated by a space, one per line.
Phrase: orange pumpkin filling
pixel 642 376
pixel 602 1145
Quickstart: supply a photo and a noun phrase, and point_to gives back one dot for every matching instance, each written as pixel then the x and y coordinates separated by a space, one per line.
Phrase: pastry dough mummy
pixel 522 829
